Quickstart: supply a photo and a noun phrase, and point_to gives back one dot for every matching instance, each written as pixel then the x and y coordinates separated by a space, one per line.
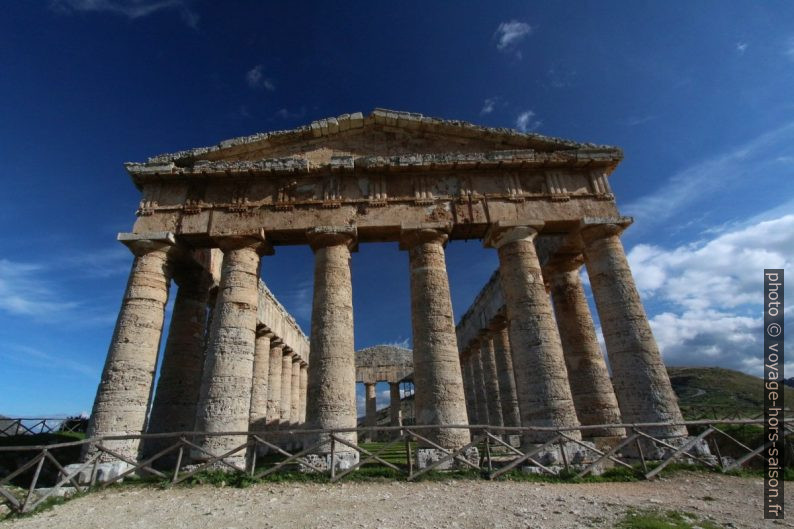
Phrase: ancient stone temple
pixel 543 204
pixel 383 363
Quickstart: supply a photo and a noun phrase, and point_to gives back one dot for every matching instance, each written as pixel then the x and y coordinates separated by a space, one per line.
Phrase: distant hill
pixel 716 386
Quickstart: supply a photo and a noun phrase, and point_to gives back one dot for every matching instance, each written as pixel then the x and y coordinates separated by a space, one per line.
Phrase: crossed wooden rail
pixel 490 438
pixel 35 425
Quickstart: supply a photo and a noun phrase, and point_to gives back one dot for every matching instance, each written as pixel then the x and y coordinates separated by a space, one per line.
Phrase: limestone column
pixel 371 409
pixel 122 398
pixel 295 399
pixel 331 399
pixel 304 380
pixel 641 383
pixel 473 414
pixel 225 397
pixel 491 381
pixel 273 415
pixel 544 395
pixel 465 368
pixel 395 405
pixel 439 385
pixel 593 395
pixel 174 404
pixel 259 385
pixel 479 384
pixel 286 389
pixel 504 367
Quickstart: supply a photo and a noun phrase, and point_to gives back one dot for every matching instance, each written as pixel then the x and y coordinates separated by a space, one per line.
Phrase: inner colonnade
pixel 543 204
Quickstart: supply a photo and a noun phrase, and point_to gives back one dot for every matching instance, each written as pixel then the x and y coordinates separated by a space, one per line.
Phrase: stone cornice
pixel 329 127
pixel 401 162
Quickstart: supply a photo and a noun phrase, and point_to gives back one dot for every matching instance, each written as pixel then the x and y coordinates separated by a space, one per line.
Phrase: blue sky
pixel 698 94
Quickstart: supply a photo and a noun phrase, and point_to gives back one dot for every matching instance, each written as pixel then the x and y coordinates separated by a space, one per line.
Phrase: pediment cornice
pixel 255 152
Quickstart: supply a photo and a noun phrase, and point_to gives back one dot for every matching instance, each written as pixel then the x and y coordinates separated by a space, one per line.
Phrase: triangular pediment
pixel 384 133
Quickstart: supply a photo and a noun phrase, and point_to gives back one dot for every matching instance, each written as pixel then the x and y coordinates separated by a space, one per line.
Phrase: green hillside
pixel 699 387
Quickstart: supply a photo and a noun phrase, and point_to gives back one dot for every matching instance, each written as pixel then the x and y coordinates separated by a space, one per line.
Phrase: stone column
pixel 641 383
pixel 331 400
pixel 544 394
pixel 122 398
pixel 295 399
pixel 273 415
pixel 437 376
pixel 465 368
pixel 225 397
pixel 491 381
pixel 259 386
pixel 174 405
pixel 371 409
pixel 479 384
pixel 591 388
pixel 286 389
pixel 504 367
pixel 395 405
pixel 304 379
pixel 474 406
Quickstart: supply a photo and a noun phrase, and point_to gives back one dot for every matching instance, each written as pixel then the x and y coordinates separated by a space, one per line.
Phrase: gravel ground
pixel 730 501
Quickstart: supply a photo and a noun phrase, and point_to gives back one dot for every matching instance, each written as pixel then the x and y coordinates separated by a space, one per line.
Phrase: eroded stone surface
pixel 259 381
pixel 331 400
pixel 544 395
pixel 122 398
pixel 591 388
pixel 439 385
pixel 225 399
pixel 641 383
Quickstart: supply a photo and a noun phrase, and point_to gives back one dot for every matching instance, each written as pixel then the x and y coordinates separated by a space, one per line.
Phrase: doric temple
pixel 525 354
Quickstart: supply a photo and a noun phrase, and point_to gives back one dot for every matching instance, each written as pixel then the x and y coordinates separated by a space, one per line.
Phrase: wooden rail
pixel 496 458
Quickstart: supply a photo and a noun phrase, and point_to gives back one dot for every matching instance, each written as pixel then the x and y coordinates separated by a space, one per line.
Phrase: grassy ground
pixel 656 519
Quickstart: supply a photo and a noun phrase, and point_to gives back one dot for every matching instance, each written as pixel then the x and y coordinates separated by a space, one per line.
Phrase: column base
pixel 427 456
pixel 575 454
pixel 199 458
pixel 105 472
pixel 342 461
pixel 654 452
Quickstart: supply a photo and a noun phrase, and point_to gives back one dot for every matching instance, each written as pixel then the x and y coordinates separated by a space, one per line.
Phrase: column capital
pixel 592 228
pixel 264 331
pixel 501 233
pixel 257 242
pixel 497 323
pixel 287 351
pixel 143 243
pixel 324 236
pixel 562 263
pixel 412 235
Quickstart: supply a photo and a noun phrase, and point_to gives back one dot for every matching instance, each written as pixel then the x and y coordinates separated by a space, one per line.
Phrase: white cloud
pixel 509 34
pixel 633 121
pixel 132 9
pixel 526 122
pixel 488 105
pixel 298 300
pixel 713 290
pixel 741 47
pixel 560 77
pixel 29 357
pixel 24 293
pixel 285 113
pixel 715 177
pixel 788 50
pixel 255 78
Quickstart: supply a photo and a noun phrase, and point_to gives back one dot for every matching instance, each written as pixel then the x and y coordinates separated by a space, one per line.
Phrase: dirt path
pixel 729 501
